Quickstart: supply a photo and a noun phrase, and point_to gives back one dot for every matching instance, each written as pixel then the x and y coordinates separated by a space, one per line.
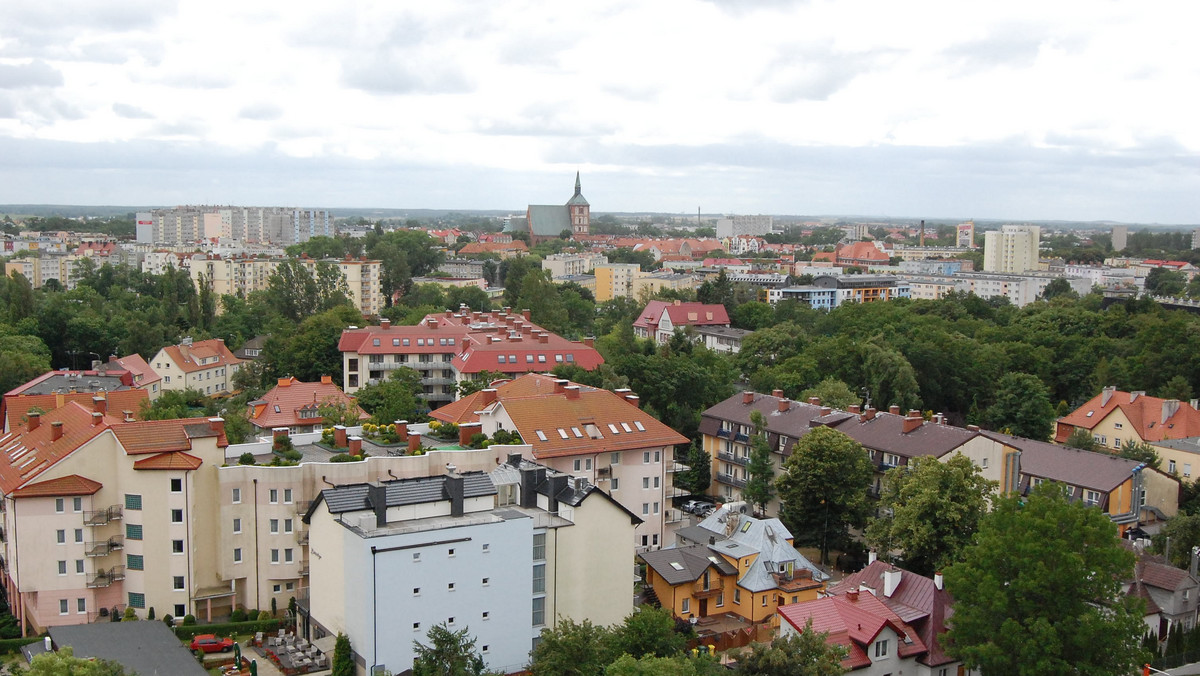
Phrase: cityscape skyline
pixel 1079 114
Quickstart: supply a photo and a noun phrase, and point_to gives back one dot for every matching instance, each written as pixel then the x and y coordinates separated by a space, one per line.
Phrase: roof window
pixel 541 435
pixel 625 426
pixel 375 342
pixel 500 358
pixel 563 433
pixel 638 424
pixel 576 432
pixel 406 341
pixel 613 428
pixel 676 565
pixel 395 342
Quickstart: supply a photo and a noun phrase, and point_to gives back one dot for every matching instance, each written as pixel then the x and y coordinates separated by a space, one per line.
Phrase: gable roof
pixel 188 357
pixel 1152 418
pixel 860 251
pixel 282 405
pixel 685 564
pixel 17 407
pixel 179 460
pixel 68 485
pixel 26 453
pixel 1076 467
pixel 158 436
pixel 143 375
pixel 853 620
pixel 737 536
pixel 466 409
pixel 682 314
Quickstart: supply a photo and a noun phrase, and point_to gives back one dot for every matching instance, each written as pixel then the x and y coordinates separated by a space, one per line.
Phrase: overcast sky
pixel 1013 110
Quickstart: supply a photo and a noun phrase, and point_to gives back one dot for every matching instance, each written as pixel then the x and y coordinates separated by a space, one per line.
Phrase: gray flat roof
pixel 146 648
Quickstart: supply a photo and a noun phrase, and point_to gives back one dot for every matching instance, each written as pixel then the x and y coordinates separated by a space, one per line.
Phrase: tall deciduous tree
pixel 396 397
pixel 572 649
pixel 760 474
pixel 931 510
pixel 1022 407
pixel 1184 533
pixel 803 654
pixel 1039 593
pixel 823 488
pixel 833 393
pixel 650 631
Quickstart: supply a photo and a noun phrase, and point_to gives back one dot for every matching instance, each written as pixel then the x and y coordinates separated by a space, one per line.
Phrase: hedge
pixel 12 645
pixel 228 628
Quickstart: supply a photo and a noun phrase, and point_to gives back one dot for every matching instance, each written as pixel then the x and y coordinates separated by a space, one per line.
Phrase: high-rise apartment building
pixel 276 225
pixel 1120 237
pixel 1011 249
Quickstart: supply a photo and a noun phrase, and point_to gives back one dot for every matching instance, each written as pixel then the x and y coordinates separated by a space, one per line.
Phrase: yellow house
pixel 1180 457
pixel 1113 418
pixel 732 563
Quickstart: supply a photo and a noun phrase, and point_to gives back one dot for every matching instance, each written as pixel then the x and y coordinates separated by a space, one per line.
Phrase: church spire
pixel 578 188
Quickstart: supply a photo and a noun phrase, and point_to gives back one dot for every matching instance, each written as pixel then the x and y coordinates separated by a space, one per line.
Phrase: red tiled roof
pixel 682 314
pixel 852 621
pixel 143 375
pixel 1145 414
pixel 830 256
pixel 177 460
pixel 67 485
pixel 187 357
pixel 18 406
pixel 282 404
pixel 24 454
pixel 159 436
pixel 492 247
pixel 860 251
pixel 392 339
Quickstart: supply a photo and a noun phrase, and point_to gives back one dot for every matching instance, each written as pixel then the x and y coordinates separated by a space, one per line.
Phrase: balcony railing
pixel 731 480
pixel 698 590
pixel 302 537
pixel 675 516
pixel 302 506
pixel 104 547
pixel 102 516
pixel 735 459
pixel 303 569
pixel 106 576
pixel 677 466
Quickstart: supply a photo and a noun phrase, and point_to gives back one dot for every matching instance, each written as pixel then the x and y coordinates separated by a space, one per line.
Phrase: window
pixel 1091 497
pixel 176 516
pixel 237 525
pixel 764 601
pixel 539 611
pixel 486 548
pixel 79 566
pixel 616 483
pixel 881 648
pixel 645 509
pixel 133 501
pixel 177 582
pixel 656 508
pixel 78 536
pixel 656 479
pixel 646 457
pixel 237 496
pixel 500 358
pixel 450 587
pixel 176 485
pixel 488 581
pixel 654 539
pixel 180 610
pixel 273 496
pixel 176 546
pixel 539 546
pixel 657 456
pixel 137 600
pixel 486 615
pixel 416 626
pixel 62 607
pixel 274 556
pixel 77 505
pixel 450 621
pixel 275 589
pixel 81 605
pixel 287 525
pixel 287 555
pixel 1171 466
pixel 737 596
pixel 450 552
pixel 134 562
pixel 416 556
pixel 237 555
pixel 685 606
pixel 61 536
pixel 539 578
pixel 62 567
pixel 720 599
pixel 287 496
pixel 60 505
pixel 274 526
pixel 614 459
pixel 645 482
pixel 1118 425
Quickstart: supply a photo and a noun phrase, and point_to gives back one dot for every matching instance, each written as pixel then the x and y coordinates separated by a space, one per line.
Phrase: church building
pixel 548 221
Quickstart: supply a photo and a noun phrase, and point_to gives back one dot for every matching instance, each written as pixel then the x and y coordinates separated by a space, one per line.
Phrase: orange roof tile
pixel 281 405
pixel 1145 414
pixel 188 357
pixel 159 436
pixel 852 620
pixel 17 406
pixel 178 460
pixel 67 485
pixel 26 453
pixel 464 410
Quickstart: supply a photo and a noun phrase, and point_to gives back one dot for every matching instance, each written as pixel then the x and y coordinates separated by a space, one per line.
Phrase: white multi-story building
pixel 568 265
pixel 745 225
pixel 207 366
pixel 278 225
pixel 1012 249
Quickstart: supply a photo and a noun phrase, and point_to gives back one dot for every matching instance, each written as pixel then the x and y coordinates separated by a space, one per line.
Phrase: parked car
pixel 704 509
pixel 209 643
pixel 691 505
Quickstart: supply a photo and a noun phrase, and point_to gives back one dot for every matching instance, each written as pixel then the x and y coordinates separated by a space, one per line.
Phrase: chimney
pixel 891 580
pixel 854 408
pixel 100 405
pixel 35 419
pixel 433 323
pixel 526 314
pixel 814 401
pixel 572 391
pixel 531 477
pixel 747 398
pixel 894 409
pixel 377 498
pixel 543 338
pixel 56 431
pixel 557 483
pixel 488 396
pixel 783 405
pixel 1169 407
pixel 454 489
pixel 1135 394
pixel 355 444
pixel 852 596
pixel 560 386
pixel 414 442
pixel 326 380
pixel 937 578
pixel 385 323
pixel 913 421
pixel 218 425
pixel 284 382
pixel 589 341
pixel 778 394
pixel 402 430
pixel 514 460
pixel 634 399
pixel 127 415
pixel 871 557
pixel 1195 403
pixel 867 414
pixel 1106 394
pixel 825 410
pixel 97 418
pixel 973 428
pixel 465 430
pixel 339 436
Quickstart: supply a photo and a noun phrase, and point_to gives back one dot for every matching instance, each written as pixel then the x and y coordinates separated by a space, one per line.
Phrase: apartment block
pixel 207 366
pixel 242 275
pixel 1012 249
pixel 278 225
pixel 568 264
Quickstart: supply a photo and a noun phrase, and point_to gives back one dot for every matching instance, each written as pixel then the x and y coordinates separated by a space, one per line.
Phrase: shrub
pixel 274 607
pixel 229 628
pixel 445 431
pixel 150 613
pixel 200 655
pixel 189 620
pixel 346 457
pixel 264 616
pixel 477 440
pixel 169 620
pixel 246 459
pixel 12 645
pixel 130 615
pixel 238 615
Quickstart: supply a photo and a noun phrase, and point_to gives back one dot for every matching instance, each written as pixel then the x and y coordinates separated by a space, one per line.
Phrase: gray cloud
pixel 814 72
pixel 1014 45
pixel 261 111
pixel 393 73
pixel 36 73
pixel 130 112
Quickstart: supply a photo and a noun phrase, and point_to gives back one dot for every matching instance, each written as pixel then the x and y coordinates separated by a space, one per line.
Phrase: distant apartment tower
pixel 965 235
pixel 1120 237
pixel 1196 238
pixel 616 280
pixel 1012 249
pixel 275 225
pixel 745 225
pixel 568 265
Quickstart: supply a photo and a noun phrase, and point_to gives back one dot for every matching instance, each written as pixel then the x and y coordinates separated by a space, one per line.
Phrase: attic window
pixel 1089 413
pixel 529 359
pixel 625 426
pixel 639 426
pixel 745 526
pixel 277 408
pixel 406 342
pixel 395 342
pixel 420 342
pixel 576 432
pixel 563 433
pixel 449 341
pixel 613 428
pixel 500 358
pixel 558 358
pixel 541 435
pixel 570 357
pixel 676 566
pixel 541 359
pixel 375 342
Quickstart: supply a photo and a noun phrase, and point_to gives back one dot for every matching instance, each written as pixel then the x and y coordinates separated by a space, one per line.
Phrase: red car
pixel 209 643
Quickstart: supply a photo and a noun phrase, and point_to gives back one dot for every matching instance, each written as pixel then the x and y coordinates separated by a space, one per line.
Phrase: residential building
pixel 923 603
pixel 277 225
pixel 19 405
pixel 830 291
pixel 300 406
pixel 103 513
pixel 503 249
pixel 455 346
pixel 1170 593
pixel 1114 417
pixel 570 264
pixel 862 254
pixel 1180 457
pixel 721 338
pixel 592 433
pixel 920 253
pixel 660 318
pixel 877 641
pixel 1012 249
pixel 745 225
pixel 1120 237
pixel 647 284
pixel 251 350
pixel 616 280
pixel 731 563
pixel 501 554
pixel 206 366
pixel 462 268
pixel 243 275
pixel 964 235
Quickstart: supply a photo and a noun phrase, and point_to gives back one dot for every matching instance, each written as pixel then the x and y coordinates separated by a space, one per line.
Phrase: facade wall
pixel 596 571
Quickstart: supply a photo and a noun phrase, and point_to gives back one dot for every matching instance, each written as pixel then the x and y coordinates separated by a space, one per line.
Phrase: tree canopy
pixel 803 654
pixel 449 653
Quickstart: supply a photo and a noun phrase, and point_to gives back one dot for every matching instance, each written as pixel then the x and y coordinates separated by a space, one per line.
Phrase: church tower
pixel 579 210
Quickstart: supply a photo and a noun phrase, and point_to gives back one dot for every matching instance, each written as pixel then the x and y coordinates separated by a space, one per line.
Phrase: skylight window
pixel 563 433
pixel 541 435
pixel 745 526
pixel 576 432
pixel 395 342
pixel 500 358
pixel 638 424
pixel 1089 413
pixel 625 426
pixel 613 428
pixel 676 565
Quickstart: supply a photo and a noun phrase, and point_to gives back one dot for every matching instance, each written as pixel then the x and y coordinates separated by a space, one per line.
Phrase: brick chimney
pixel 973 428
pixel 487 396
pixel 466 430
pixel 854 408
pixel 814 401
pixel 852 596
pixel 778 394
pixel 97 418
pixel 35 419
pixel 414 442
pixel 867 414
pixel 433 323
pixel 560 386
pixel 355 444
pixel 402 430
pixel 825 410
pixel 572 391
pixel 913 421
pixel 218 425
pixel 782 405
pixel 127 415
pixel 543 338
pixel 747 398
pixel 339 436
pixel 526 314
pixel 634 399
pixel 326 380
pixel 284 382
pixel 385 323
pixel 894 409
pixel 56 430
pixel 589 341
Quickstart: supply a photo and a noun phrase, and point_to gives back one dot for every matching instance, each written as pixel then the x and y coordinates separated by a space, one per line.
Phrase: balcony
pixel 302 599
pixel 731 480
pixel 677 466
pixel 104 547
pixel 304 569
pixel 302 537
pixel 735 459
pixel 674 516
pixel 302 506
pixel 106 576
pixel 103 516
pixel 437 381
pixel 699 591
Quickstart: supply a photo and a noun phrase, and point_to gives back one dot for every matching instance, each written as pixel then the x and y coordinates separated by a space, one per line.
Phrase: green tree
pixel 394 398
pixel 1022 407
pixel 1082 438
pixel 760 473
pixel 1039 592
pixel 832 393
pixel 294 292
pixel 701 665
pixel 804 654
pixel 572 649
pixel 1164 282
pixel 930 512
pixel 343 661
pixel 649 631
pixel 64 663
pixel 449 653
pixel 1141 452
pixel 22 358
pixel 1184 533
pixel 823 488
pixel 1059 287
pixel 479 382
pixel 698 476
pixel 718 291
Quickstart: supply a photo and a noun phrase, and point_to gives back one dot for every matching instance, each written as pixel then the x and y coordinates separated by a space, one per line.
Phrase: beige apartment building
pixel 571 265
pixel 615 280
pixel 240 276
pixel 207 366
